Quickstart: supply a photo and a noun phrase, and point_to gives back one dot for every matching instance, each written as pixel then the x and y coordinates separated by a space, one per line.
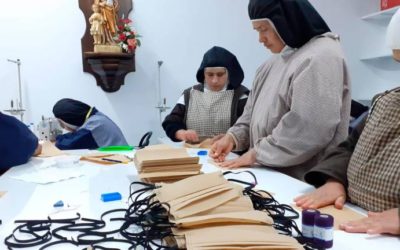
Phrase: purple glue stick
pixel 307 225
pixel 323 231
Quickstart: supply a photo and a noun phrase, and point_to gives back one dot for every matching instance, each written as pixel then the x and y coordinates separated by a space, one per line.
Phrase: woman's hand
pixel 376 223
pixel 38 150
pixel 217 137
pixel 245 160
pixel 187 135
pixel 331 193
pixel 221 148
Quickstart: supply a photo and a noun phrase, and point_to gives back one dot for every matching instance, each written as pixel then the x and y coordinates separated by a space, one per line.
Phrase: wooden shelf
pixel 381 15
pixel 110 69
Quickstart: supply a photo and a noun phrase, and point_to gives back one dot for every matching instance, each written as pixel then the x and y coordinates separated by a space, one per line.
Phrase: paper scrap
pixel 340 215
pixel 48 150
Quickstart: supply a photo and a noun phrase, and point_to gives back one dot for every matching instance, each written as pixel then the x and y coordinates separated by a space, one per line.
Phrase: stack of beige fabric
pixel 165 164
pixel 212 213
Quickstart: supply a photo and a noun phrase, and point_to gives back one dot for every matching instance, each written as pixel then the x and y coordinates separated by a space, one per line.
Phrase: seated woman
pixel 17 143
pixel 367 165
pixel 89 128
pixel 201 111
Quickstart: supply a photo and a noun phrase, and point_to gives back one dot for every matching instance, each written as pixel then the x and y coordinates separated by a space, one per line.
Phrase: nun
pixel 365 168
pixel 299 105
pixel 88 128
pixel 17 143
pixel 211 107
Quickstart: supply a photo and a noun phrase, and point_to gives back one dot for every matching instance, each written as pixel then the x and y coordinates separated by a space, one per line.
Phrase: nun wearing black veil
pixel 211 107
pixel 299 105
pixel 89 128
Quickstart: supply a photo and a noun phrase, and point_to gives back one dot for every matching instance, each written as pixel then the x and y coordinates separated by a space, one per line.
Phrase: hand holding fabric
pixel 221 148
pixel 187 135
pixel 217 137
pixel 332 192
pixel 245 160
pixel 376 223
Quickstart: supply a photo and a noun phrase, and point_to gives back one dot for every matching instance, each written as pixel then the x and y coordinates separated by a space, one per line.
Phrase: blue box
pixel 111 196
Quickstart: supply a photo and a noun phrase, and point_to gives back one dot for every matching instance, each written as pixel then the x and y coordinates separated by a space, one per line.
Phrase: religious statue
pixel 105 14
pixel 96 30
pixel 109 10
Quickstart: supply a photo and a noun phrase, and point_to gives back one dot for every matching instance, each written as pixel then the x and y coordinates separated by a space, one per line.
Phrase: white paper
pixel 48 170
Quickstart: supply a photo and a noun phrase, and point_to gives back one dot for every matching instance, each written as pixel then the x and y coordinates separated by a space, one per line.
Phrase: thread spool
pixel 308 221
pixel 323 231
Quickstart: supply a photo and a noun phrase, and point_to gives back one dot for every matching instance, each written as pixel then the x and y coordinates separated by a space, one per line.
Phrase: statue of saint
pixel 109 11
pixel 96 29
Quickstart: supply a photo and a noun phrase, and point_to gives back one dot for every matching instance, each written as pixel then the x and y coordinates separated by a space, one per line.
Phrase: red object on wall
pixel 387 4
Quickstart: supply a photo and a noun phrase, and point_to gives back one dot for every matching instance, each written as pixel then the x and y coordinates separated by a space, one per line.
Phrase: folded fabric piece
pixel 226 237
pixel 207 211
pixel 106 159
pixel 171 168
pixel 240 204
pixel 167 176
pixel 161 157
pixel 194 184
pixel 207 191
pixel 203 144
pixel 160 164
pixel 244 217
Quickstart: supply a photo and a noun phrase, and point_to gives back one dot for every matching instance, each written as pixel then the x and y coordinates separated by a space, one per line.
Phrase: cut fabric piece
pixel 225 237
pixel 165 164
pixel 247 217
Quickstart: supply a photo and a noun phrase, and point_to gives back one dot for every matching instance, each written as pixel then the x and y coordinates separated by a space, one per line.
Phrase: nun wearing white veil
pixel 365 169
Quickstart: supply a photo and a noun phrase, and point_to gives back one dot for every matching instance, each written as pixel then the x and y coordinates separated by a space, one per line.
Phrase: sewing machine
pixel 48 129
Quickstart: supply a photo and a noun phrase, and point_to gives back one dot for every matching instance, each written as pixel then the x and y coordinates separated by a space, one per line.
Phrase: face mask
pixel 169 192
pixel 193 213
pixel 165 164
pixel 232 218
pixel 234 237
pixel 207 202
pixel 206 192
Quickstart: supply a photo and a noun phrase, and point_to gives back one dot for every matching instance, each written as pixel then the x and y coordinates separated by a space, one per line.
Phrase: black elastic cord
pixel 240 181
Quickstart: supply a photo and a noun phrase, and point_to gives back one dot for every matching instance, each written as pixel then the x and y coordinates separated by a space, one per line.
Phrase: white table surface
pixel 83 196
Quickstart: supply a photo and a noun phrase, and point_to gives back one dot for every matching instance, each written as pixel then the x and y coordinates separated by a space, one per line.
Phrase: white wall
pixel 45 35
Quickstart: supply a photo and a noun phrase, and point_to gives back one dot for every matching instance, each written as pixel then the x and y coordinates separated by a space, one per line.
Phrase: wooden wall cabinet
pixel 109 69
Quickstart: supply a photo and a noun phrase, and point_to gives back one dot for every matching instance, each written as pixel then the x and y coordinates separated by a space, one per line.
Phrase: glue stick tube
pixel 308 221
pixel 323 231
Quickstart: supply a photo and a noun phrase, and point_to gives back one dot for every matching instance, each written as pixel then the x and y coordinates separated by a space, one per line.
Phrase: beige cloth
pixel 340 215
pixel 299 106
pixel 49 150
pixel 239 237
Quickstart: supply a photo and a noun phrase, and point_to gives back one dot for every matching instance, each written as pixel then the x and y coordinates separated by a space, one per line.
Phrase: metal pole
pixel 159 105
pixel 19 109
pixel 20 89
pixel 159 82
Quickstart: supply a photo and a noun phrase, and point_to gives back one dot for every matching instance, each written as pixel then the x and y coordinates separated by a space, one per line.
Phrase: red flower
pixel 122 37
pixel 132 42
pixel 121 27
pixel 125 20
